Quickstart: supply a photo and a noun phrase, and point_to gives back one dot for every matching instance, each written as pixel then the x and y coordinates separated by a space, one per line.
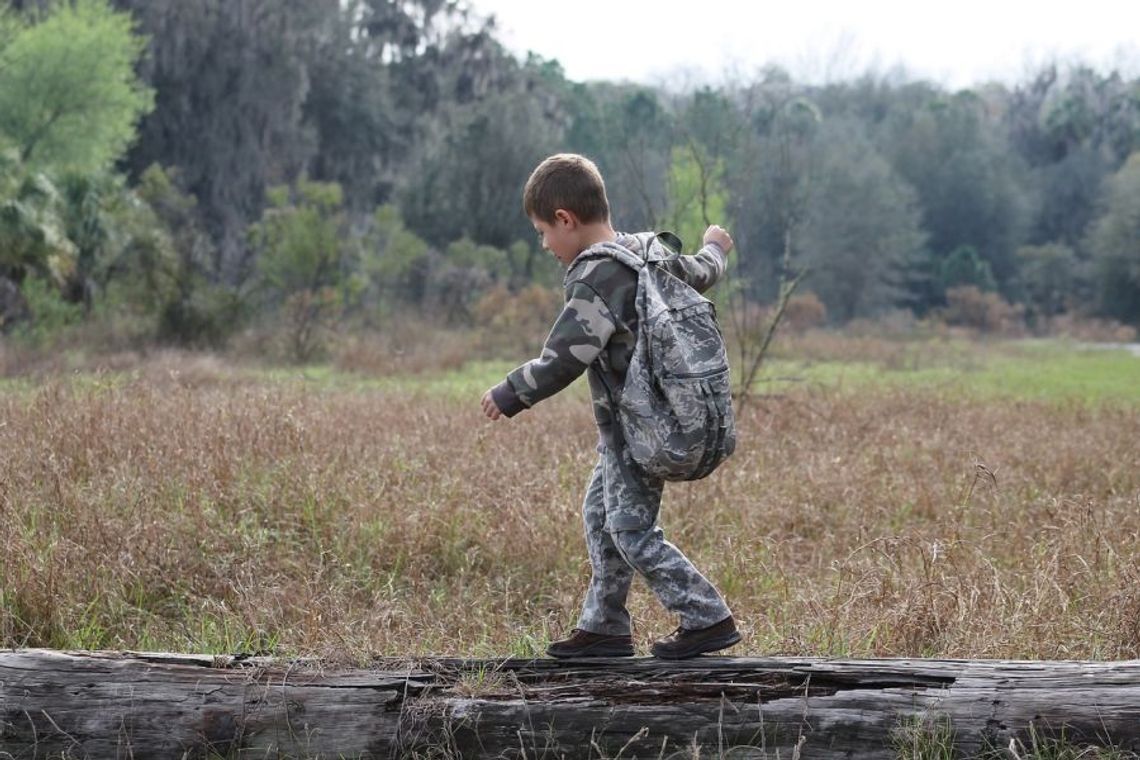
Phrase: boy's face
pixel 560 237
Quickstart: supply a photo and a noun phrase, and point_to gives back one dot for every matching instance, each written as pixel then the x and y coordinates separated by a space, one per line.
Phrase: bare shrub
pixel 832 345
pixel 804 311
pixel 968 306
pixel 407 346
pixel 865 347
pixel 517 319
pixel 1091 329
pixel 893 324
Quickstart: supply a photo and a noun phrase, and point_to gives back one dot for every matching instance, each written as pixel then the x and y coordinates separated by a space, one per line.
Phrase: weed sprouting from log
pixel 480 680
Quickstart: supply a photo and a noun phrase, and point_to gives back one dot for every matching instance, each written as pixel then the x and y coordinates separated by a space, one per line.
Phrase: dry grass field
pixel 968 501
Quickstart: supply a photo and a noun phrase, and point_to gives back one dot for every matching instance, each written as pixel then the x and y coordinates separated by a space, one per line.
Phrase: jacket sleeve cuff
pixel 506 399
pixel 717 249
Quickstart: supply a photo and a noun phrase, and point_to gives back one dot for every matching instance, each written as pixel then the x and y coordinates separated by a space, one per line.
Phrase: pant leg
pixel 672 578
pixel 633 503
pixel 604 609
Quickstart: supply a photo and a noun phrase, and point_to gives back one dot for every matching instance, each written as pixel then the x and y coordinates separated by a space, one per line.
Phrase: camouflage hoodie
pixel 597 329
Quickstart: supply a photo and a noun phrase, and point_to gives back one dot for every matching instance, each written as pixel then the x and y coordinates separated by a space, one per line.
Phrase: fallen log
pixel 140 705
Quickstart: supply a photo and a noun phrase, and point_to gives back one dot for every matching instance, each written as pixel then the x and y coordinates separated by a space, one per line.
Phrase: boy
pixel 565 199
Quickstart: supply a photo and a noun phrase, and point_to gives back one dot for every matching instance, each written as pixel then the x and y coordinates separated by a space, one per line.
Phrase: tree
pixel 76 239
pixel 778 167
pixel 1067 194
pixel 1115 245
pixel 33 235
pixel 1051 276
pixel 395 260
pixel 175 256
pixel 69 97
pixel 467 181
pixel 362 134
pixel 385 78
pixel 84 211
pixel 863 228
pixel 634 140
pixel 1089 110
pixel 707 133
pixel 963 266
pixel 969 187
pixel 231 78
pixel 437 52
pixel 461 277
pixel 303 247
pixel 1074 127
pixel 771 179
pixel 697 197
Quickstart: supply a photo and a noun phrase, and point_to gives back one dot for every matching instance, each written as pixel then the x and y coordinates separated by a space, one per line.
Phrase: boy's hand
pixel 719 235
pixel 490 408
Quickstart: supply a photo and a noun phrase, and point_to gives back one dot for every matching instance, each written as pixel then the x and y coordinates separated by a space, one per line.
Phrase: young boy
pixel 565 199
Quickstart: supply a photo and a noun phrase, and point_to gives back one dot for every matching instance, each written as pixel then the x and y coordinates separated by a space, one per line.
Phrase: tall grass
pixel 186 506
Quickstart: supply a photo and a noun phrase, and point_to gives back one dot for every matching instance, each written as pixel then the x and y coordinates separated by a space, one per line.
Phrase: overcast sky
pixel 954 43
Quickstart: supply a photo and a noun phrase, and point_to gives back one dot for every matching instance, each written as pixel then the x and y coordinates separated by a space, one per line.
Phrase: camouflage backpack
pixel 675 410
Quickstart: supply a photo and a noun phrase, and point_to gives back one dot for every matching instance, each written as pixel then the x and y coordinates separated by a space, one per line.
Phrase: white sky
pixel 954 42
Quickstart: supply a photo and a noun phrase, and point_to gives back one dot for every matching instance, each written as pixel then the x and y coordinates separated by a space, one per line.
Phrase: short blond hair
pixel 566 181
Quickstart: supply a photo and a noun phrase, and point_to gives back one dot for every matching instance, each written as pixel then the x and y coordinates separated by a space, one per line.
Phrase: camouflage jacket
pixel 597 330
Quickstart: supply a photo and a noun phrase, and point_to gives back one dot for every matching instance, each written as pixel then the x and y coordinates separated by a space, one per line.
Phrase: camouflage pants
pixel 622 536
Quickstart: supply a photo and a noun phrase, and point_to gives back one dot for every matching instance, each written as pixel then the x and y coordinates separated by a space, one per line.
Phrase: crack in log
pixel 653 682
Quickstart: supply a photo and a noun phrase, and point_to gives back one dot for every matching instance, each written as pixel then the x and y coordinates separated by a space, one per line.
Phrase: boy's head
pixel 567 182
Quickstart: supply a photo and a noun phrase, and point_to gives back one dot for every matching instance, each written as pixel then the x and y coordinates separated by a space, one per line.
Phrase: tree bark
pixel 104 705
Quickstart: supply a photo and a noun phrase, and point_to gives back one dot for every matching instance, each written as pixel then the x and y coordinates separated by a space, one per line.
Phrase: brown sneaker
pixel 683 643
pixel 585 644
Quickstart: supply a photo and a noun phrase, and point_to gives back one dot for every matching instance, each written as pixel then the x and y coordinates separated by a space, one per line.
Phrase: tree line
pixel 187 166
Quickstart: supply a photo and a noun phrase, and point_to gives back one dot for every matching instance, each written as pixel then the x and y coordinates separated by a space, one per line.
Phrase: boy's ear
pixel 564 217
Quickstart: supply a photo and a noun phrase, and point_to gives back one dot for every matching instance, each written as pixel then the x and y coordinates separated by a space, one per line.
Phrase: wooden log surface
pixel 155 705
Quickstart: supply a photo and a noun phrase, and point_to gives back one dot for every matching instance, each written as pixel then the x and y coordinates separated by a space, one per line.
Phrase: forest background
pixel 187 172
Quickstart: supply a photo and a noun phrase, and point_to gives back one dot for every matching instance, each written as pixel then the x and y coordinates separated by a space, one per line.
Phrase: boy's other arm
pixel 704 268
pixel 490 408
pixel 577 337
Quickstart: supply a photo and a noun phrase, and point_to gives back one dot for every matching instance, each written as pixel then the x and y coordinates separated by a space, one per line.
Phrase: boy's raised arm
pixel 575 340
pixel 703 269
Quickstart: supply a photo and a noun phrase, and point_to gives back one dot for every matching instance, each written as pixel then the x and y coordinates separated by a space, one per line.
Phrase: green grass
pixel 1025 371
pixel 472 378
pixel 1032 371
pixel 17 386
pixel 1011 370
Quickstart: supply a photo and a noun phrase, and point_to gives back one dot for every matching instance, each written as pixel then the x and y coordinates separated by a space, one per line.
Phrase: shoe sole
pixel 599 650
pixel 712 645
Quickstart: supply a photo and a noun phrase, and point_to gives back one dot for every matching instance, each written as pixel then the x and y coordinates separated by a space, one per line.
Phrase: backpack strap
pixel 608 250
pixel 655 247
pixel 628 257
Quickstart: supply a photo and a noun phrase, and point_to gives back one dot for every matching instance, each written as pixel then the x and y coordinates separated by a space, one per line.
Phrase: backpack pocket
pixel 687 345
pixel 693 438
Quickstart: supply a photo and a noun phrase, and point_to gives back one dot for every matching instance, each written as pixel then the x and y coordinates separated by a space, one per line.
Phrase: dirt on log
pixel 140 705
